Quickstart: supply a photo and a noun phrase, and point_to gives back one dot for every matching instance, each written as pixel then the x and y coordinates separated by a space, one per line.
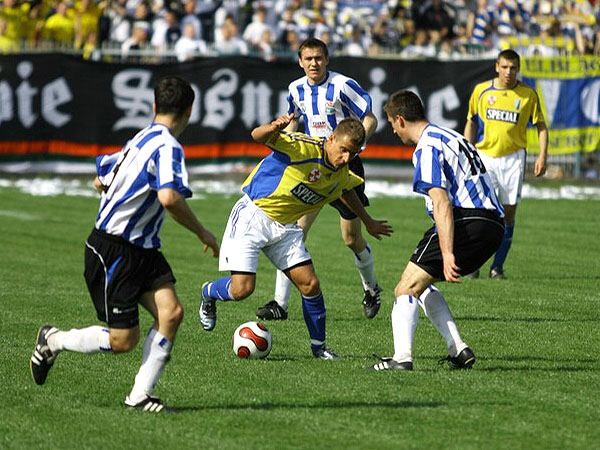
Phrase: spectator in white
pixel 284 26
pixel 357 45
pixel 190 17
pixel 265 46
pixel 231 43
pixel 120 26
pixel 228 9
pixel 255 29
pixel 166 32
pixel 138 40
pixel 189 45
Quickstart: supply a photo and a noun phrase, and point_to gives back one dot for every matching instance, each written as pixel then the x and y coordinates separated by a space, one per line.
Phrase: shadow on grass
pixel 268 406
pixel 523 319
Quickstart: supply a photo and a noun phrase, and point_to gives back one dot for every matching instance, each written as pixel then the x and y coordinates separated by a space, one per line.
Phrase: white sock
pixel 436 309
pixel 364 264
pixel 92 339
pixel 155 355
pixel 282 289
pixel 405 315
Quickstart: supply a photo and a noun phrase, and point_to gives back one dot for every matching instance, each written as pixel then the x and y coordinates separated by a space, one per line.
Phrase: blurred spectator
pixel 167 32
pixel 357 45
pixel 190 17
pixel 284 26
pixel 265 46
pixel 87 14
pixel 419 47
pixel 255 29
pixel 14 18
pixel 189 45
pixel 385 34
pixel 120 26
pixel 7 45
pixel 230 42
pixel 139 40
pixel 60 26
pixel 438 16
pixel 90 47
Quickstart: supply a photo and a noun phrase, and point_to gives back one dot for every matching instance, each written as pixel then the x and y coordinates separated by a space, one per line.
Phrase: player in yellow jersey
pixel 499 111
pixel 302 174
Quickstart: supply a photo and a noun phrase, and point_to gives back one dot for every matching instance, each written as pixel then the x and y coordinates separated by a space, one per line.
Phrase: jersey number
pixel 475 161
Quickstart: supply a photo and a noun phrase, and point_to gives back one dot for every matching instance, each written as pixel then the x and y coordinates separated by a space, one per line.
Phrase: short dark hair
pixel 407 104
pixel 509 55
pixel 353 128
pixel 313 43
pixel 173 95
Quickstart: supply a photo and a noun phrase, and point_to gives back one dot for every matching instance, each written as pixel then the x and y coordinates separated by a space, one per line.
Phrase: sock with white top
pixel 88 340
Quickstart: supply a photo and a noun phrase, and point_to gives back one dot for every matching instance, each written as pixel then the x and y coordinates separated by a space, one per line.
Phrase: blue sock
pixel 314 316
pixel 502 251
pixel 218 289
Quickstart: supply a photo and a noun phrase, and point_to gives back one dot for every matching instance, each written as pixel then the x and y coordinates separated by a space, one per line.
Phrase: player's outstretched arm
pixel 376 228
pixel 444 221
pixel 178 208
pixel 262 133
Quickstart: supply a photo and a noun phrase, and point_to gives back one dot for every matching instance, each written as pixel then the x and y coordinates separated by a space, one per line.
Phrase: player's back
pixel 129 207
pixel 444 158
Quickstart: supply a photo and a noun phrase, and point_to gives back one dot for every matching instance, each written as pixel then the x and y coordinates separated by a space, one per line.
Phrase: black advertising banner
pixel 62 105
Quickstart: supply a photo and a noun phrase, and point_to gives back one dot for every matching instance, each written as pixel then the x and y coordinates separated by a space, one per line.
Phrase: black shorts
pixel 357 167
pixel 477 236
pixel 117 273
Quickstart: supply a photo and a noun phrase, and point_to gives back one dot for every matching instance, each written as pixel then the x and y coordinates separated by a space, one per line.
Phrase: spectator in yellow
pixel 87 14
pixel 15 16
pixel 7 45
pixel 33 24
pixel 60 27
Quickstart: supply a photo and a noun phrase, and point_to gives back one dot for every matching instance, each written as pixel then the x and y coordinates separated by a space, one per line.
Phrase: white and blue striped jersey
pixel 129 207
pixel 445 159
pixel 324 105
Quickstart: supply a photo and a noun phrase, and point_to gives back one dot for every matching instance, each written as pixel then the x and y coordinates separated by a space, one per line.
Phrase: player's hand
pixel 209 240
pixel 282 121
pixel 540 167
pixel 451 270
pixel 379 228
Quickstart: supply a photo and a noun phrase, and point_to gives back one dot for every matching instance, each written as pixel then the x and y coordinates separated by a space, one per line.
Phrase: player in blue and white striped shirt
pixel 467 230
pixel 123 267
pixel 322 99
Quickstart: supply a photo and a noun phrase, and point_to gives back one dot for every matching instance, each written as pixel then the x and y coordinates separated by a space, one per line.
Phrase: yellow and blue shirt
pixel 296 178
pixel 502 116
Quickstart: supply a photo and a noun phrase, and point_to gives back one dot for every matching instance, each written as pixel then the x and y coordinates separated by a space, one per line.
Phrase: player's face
pixel 340 150
pixel 399 130
pixel 314 62
pixel 507 72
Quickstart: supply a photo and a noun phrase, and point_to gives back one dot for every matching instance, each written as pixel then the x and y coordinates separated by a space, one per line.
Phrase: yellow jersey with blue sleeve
pixel 502 116
pixel 296 179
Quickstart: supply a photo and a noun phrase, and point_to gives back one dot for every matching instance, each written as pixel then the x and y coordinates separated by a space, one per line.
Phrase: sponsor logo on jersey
pixel 306 195
pixel 314 175
pixel 329 107
pixel 502 116
pixel 491 100
pixel 317 124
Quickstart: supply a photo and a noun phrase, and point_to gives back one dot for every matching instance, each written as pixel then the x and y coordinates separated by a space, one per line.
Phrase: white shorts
pixel 507 174
pixel 249 230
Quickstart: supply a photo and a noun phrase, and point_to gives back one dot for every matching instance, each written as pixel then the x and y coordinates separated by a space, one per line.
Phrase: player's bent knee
pixel 124 342
pixel 311 288
pixel 241 292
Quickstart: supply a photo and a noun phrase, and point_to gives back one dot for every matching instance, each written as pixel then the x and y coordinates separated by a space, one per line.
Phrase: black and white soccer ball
pixel 251 340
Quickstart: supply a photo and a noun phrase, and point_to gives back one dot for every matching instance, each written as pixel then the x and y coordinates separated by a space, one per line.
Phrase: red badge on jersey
pixel 491 100
pixel 314 175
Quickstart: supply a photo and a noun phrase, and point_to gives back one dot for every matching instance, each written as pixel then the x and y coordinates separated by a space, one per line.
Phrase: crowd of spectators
pixel 149 30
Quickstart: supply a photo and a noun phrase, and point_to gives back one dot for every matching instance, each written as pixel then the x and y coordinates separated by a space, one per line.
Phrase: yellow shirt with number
pixel 502 116
pixel 296 178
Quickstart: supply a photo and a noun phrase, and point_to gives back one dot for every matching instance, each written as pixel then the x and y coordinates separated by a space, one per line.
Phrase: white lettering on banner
pixel 590 102
pixel 440 101
pixel 6 102
pixel 378 97
pixel 256 103
pixel 54 94
pixel 133 94
pixel 218 101
pixel 283 104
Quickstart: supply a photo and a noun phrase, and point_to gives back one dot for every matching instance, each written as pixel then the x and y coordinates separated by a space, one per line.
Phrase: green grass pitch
pixel 536 337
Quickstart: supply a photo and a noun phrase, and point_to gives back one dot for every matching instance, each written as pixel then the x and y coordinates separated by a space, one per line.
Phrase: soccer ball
pixel 251 340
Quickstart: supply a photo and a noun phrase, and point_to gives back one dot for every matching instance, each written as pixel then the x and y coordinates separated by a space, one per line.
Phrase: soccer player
pixel 324 98
pixel 300 175
pixel 123 265
pixel 467 229
pixel 499 111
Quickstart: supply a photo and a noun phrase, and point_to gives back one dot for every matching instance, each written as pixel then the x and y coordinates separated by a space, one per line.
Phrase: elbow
pixel 168 198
